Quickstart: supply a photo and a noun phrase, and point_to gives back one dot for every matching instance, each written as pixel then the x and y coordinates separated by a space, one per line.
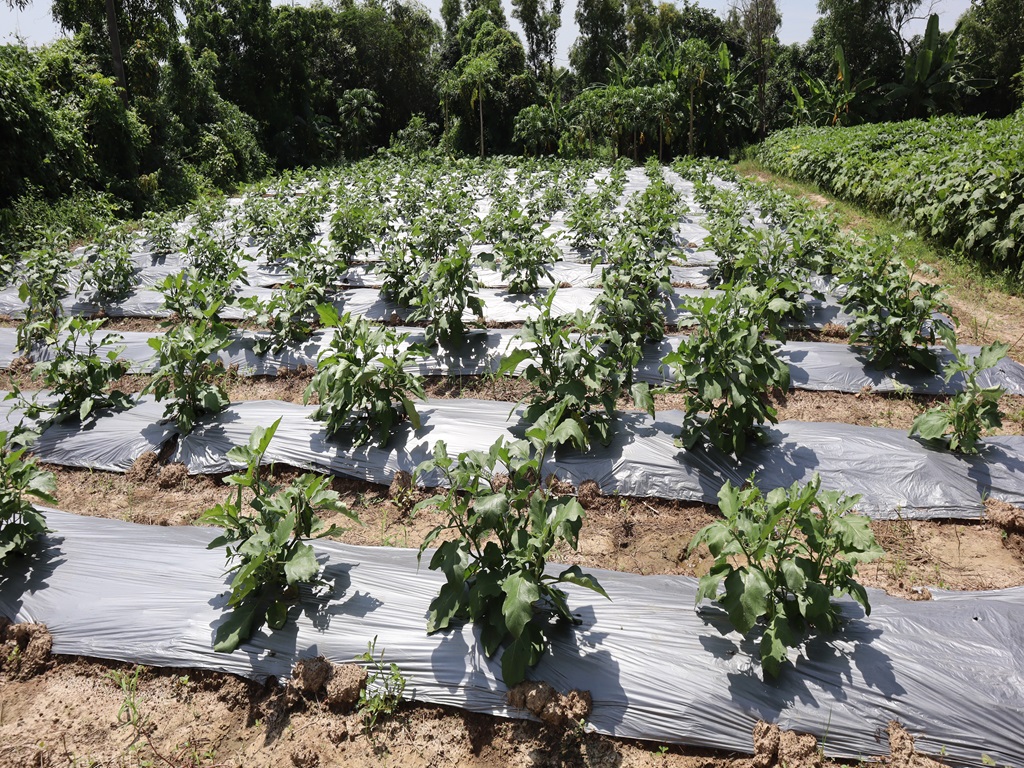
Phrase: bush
pixel 782 558
pixel 495 565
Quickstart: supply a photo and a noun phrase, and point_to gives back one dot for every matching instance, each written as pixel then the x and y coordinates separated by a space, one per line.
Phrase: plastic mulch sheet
pixel 898 477
pixel 813 365
pixel 948 669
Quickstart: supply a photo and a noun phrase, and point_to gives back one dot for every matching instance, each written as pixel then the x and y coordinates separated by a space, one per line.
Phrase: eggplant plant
pixel 576 383
pixel 20 477
pixel 726 369
pixel 493 547
pixel 187 374
pixel 362 383
pixel 81 371
pixel 895 311
pixel 266 535
pixel 960 421
pixel 781 558
pixel 108 272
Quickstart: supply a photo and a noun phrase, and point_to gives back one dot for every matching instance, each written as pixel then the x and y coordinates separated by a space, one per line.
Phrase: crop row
pixel 579 363
pixel 959 181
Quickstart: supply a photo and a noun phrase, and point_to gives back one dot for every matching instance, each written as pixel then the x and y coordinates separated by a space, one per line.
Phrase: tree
pixel 492 69
pixel 359 111
pixel 695 60
pixel 936 79
pixel 992 37
pixel 870 33
pixel 541 20
pixel 602 25
pixel 760 21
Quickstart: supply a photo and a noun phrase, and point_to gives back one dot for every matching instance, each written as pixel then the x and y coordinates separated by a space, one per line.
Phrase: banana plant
pixel 936 79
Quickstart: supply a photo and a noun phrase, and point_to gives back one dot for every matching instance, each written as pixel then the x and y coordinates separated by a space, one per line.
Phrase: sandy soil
pixel 76 712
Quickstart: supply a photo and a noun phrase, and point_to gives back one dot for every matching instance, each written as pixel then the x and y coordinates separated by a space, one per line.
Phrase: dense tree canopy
pixel 153 101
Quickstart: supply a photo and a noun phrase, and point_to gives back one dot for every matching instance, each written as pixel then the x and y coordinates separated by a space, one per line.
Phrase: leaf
pixel 237 627
pixel 931 425
pixel 445 606
pixel 520 654
pixel 301 566
pixel 574 575
pixel 520 595
pixel 642 397
pixel 745 598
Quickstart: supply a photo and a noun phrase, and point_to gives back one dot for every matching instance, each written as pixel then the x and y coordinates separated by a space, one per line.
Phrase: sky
pixel 36 26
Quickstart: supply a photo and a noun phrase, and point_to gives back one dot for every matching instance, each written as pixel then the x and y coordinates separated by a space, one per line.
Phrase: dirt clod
pixel 904 754
pixel 310 676
pixel 305 757
pixel 172 476
pixel 588 494
pixel 144 468
pixel 1006 516
pixel 543 701
pixel 338 685
pixel 24 649
pixel 775 747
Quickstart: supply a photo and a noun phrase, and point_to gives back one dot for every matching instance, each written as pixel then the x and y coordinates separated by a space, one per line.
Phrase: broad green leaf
pixel 237 627
pixel 301 567
pixel 520 595
pixel 574 575
pixel 745 598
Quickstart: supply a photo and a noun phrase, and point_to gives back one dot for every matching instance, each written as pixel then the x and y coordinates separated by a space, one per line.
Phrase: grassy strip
pixel 988 304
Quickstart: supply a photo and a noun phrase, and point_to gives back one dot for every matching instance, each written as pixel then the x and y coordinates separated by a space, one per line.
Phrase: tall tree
pixel 870 33
pixel 541 20
pixel 126 22
pixel 760 21
pixel 992 37
pixel 602 25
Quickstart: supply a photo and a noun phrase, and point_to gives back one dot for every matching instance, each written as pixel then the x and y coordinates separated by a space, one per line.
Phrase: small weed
pixel 385 685
pixel 128 682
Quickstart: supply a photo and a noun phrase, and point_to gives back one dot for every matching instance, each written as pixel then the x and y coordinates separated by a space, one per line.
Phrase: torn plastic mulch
pixel 948 669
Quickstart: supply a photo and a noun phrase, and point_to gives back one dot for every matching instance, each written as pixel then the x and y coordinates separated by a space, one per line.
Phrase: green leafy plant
pixel 161 233
pixel 108 272
pixel 382 694
pixel 726 370
pixel 362 383
pixel 290 314
pixel 447 291
pixel 45 282
pixel 894 309
pixel 20 521
pixel 782 558
pixel 519 249
pixel 128 682
pixel 971 411
pixel 81 371
pixel 186 372
pixel 575 383
pixel 495 564
pixel 266 530
pixel 190 294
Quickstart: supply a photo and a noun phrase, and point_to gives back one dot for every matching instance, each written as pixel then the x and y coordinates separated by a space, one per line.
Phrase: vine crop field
pixel 552 463
pixel 955 180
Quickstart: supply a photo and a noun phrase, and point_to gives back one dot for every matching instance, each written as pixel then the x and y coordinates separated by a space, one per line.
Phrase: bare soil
pixel 76 712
